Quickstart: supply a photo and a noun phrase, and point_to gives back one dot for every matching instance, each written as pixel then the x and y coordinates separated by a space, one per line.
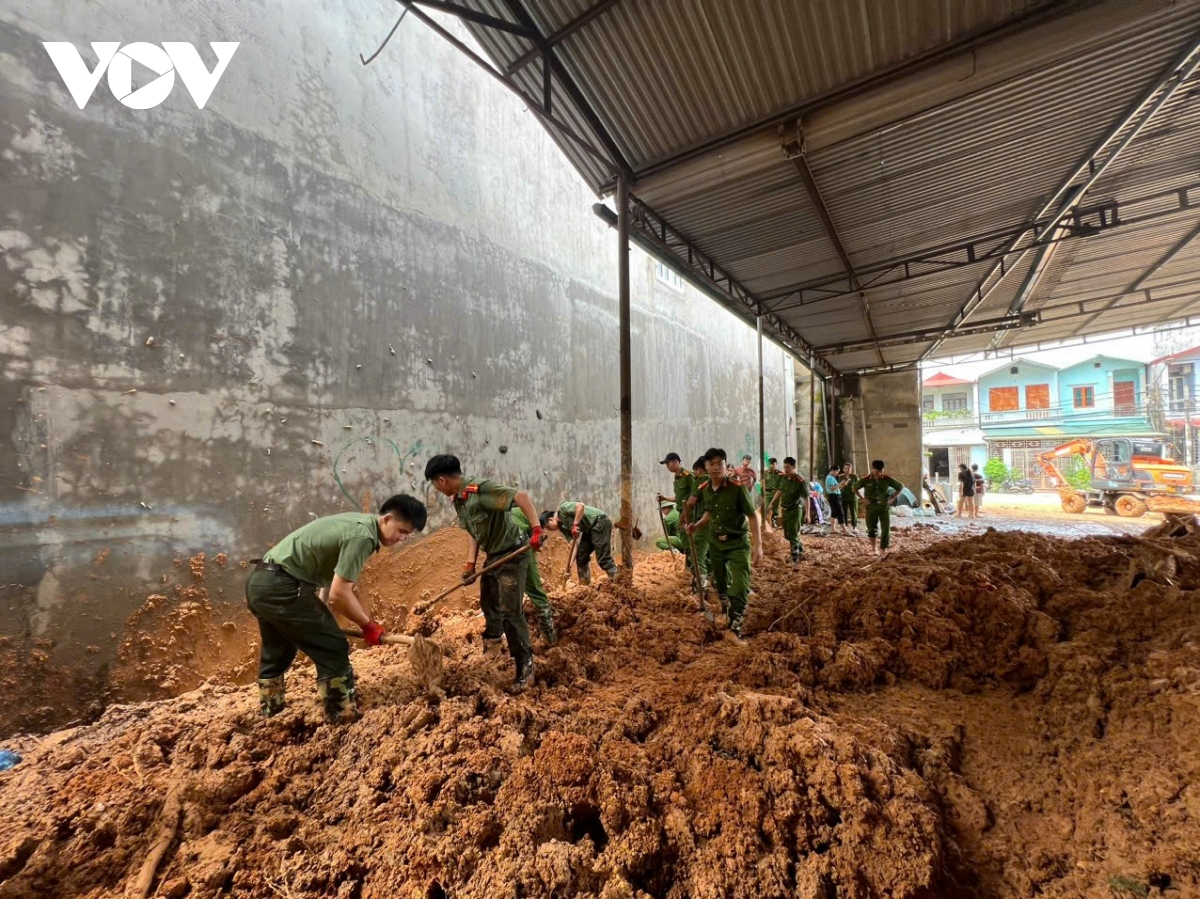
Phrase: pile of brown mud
pixel 1000 716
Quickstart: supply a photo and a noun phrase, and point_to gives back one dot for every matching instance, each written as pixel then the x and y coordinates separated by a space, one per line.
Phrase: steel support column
pixel 812 417
pixel 762 393
pixel 626 371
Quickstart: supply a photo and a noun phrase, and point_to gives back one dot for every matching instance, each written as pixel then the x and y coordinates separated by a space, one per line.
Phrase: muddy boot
pixel 339 698
pixel 546 623
pixel 724 600
pixel 524 675
pixel 612 573
pixel 735 625
pixel 585 576
pixel 493 647
pixel 270 696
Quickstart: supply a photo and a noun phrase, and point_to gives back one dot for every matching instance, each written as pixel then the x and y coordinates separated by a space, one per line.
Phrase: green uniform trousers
pixel 731 574
pixel 879 520
pixel 791 528
pixel 769 495
pixel 597 539
pixel 291 618
pixel 676 543
pixel 536 591
pixel 500 595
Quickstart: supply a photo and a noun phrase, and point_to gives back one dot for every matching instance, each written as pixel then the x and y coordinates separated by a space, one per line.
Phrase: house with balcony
pixel 950 425
pixel 1029 407
pixel 1173 393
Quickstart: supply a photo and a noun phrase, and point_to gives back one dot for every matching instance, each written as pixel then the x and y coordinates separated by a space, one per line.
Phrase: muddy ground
pixel 982 714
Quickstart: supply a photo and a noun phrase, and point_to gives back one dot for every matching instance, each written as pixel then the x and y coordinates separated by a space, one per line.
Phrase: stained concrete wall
pixel 218 323
pixel 892 407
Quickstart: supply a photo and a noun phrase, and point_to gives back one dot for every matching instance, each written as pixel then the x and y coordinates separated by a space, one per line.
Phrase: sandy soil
pixel 996 714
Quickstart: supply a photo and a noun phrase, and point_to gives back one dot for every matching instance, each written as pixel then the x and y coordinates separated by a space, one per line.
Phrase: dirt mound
pixel 990 717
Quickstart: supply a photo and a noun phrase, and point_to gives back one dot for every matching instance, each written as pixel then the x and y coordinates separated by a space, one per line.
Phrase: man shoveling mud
pixel 881 492
pixel 729 511
pixel 483 508
pixel 593 528
pixel 282 594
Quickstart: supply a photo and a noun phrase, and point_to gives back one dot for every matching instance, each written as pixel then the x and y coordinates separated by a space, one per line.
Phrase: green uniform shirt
pixel 335 544
pixel 483 512
pixel 685 486
pixel 523 524
pixel 566 516
pixel 772 480
pixel 849 486
pixel 728 506
pixel 876 489
pixel 793 490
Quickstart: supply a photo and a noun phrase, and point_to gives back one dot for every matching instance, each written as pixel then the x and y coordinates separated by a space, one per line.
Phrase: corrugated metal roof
pixel 913 141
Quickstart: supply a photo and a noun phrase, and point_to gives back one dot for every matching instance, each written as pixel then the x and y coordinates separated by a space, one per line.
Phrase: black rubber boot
pixel 524 675
pixel 271 696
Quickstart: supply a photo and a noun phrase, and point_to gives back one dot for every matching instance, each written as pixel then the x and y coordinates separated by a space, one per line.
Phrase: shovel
pixel 570 558
pixel 698 581
pixel 425 607
pixel 424 655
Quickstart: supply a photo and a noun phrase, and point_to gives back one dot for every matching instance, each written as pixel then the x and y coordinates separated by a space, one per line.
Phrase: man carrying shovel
pixel 791 493
pixel 484 512
pixel 282 594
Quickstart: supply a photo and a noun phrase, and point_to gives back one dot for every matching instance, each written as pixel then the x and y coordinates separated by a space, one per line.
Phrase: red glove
pixel 372 633
pixel 468 573
pixel 537 538
pixel 574 530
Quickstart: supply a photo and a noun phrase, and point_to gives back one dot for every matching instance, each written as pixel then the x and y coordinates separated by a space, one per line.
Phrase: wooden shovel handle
pixel 389 639
pixel 422 608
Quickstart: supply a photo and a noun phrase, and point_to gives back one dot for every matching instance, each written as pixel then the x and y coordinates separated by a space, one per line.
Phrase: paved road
pixel 1039 513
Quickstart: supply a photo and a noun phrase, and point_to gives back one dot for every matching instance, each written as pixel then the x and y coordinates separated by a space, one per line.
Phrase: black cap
pixel 671 457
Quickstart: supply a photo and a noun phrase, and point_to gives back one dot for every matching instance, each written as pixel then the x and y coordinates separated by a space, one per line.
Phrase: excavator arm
pixel 1081 446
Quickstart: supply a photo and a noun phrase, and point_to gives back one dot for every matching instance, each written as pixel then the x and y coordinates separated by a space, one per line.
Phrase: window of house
pixel 667 276
pixel 927 403
pixel 1037 396
pixel 1003 399
pixel 1083 397
pixel 955 402
pixel 1125 397
pixel 1180 378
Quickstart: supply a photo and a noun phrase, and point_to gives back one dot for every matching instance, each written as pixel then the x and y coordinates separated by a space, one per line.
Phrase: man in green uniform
pixel 880 491
pixel 770 485
pixel 690 514
pixel 534 588
pixel 484 511
pixel 791 497
pixel 849 497
pixel 729 514
pixel 282 593
pixel 673 540
pixel 684 483
pixel 594 530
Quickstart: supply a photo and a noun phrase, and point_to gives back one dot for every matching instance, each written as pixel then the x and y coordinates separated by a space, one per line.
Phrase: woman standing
pixel 966 492
pixel 849 497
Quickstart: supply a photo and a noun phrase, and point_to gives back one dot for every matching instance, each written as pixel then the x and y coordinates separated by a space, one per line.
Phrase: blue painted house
pixel 1029 407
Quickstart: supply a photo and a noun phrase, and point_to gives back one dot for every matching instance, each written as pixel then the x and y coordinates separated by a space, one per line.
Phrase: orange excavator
pixel 1127 476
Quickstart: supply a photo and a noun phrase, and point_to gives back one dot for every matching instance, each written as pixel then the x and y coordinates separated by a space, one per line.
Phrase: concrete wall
pixel 892 407
pixel 218 323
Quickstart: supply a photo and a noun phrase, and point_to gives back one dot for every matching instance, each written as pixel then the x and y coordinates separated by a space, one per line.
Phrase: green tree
pixel 995 471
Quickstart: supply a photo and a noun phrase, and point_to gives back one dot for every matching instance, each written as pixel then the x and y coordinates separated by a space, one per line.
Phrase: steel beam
pixel 1008 322
pixel 568 83
pixel 479 18
pixel 990 246
pixel 1146 275
pixel 531 104
pixel 793 149
pixel 562 34
pixel 658 238
pixel 1069 193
